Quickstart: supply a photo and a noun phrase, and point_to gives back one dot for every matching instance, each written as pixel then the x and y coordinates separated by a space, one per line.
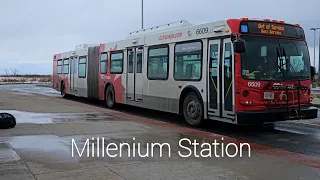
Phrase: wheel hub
pixel 193 110
pixel 109 98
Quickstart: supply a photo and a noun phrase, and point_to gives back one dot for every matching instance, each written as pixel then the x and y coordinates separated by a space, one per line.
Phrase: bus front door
pixel 213 81
pixel 134 74
pixel 220 79
pixel 227 80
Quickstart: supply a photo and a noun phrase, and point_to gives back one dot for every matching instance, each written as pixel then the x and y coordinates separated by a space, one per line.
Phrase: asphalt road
pixel 295 136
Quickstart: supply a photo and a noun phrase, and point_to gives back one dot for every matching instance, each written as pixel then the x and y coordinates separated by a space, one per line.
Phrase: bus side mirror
pixel 313 72
pixel 239 46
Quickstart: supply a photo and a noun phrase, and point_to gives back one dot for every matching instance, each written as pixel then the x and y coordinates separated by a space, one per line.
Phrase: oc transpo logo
pixel 282 94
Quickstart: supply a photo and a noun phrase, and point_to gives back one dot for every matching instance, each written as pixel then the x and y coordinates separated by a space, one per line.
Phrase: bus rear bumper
pixel 258 117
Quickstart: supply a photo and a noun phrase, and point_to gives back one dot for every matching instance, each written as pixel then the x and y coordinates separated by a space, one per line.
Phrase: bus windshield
pixel 275 59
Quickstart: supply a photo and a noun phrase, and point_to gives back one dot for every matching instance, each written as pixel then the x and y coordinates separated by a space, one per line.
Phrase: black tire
pixel 193 110
pixel 110 97
pixel 13 123
pixel 8 121
pixel 63 91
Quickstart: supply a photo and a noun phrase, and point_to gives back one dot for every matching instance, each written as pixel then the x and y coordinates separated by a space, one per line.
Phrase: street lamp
pixel 141 14
pixel 314 52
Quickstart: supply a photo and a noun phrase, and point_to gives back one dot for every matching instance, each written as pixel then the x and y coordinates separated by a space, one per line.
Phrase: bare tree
pixel 6 72
pixel 14 71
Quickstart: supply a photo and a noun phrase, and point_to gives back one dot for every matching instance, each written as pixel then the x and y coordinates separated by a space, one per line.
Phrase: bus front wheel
pixel 110 97
pixel 193 110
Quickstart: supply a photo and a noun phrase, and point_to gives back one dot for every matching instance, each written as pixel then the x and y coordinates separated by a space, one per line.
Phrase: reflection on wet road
pixel 46 118
pixel 30 88
pixel 295 136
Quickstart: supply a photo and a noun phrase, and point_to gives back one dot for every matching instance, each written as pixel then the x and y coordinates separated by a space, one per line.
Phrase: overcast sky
pixel 33 30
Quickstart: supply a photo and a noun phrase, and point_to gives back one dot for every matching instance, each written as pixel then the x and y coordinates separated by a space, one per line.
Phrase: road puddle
pixel 46 118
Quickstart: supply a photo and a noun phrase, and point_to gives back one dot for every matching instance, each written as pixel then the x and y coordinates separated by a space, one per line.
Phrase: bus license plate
pixel 268 95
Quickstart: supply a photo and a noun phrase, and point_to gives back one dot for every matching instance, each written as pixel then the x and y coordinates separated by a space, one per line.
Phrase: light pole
pixel 318 61
pixel 314 45
pixel 314 55
pixel 141 14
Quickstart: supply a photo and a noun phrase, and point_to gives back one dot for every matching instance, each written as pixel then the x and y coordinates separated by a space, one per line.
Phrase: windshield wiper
pixel 280 66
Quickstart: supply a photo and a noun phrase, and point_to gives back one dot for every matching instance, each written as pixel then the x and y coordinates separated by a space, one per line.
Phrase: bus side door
pixel 134 74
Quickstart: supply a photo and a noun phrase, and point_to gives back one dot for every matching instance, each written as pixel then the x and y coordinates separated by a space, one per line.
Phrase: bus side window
pixel 66 66
pixel 59 66
pixel 130 61
pixel 158 66
pixel 139 60
pixel 213 59
pixel 82 67
pixel 227 60
pixel 116 63
pixel 187 62
pixel 103 63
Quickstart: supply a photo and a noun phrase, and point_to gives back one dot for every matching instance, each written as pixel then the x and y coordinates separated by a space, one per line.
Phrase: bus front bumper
pixel 259 117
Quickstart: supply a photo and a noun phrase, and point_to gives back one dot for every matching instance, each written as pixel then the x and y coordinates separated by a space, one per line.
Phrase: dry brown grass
pixel 45 79
pixel 27 78
pixel 27 75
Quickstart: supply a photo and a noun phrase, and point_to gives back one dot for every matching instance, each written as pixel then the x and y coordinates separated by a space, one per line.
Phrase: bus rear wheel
pixel 110 97
pixel 63 91
pixel 192 110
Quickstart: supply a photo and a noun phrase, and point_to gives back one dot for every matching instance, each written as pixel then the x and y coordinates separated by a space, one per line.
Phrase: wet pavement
pixel 40 146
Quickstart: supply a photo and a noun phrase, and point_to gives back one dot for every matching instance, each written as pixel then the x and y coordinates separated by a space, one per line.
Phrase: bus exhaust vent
pixel 160 28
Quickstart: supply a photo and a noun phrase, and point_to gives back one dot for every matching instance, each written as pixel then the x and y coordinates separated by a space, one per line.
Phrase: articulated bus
pixel 241 71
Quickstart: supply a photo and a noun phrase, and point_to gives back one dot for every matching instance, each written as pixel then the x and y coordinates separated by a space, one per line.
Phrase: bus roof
pixel 172 32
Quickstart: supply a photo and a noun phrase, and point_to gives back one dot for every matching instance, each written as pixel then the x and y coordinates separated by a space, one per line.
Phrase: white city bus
pixel 207 71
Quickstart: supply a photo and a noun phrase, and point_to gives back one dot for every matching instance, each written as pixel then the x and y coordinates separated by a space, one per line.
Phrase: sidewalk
pixel 40 147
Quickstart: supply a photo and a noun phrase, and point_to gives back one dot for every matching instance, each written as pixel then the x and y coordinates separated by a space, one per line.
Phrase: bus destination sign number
pixel 271 29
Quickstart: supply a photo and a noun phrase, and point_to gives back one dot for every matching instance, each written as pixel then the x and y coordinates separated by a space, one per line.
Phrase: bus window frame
pixel 117 52
pixel 85 69
pixel 168 55
pixel 106 70
pixel 65 64
pixel 59 66
pixel 201 64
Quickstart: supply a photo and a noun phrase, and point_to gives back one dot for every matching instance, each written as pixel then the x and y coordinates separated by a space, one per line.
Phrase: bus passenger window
pixel 227 61
pixel 103 63
pixel 213 59
pixel 158 66
pixel 59 66
pixel 116 63
pixel 130 61
pixel 139 60
pixel 82 67
pixel 188 59
pixel 66 66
